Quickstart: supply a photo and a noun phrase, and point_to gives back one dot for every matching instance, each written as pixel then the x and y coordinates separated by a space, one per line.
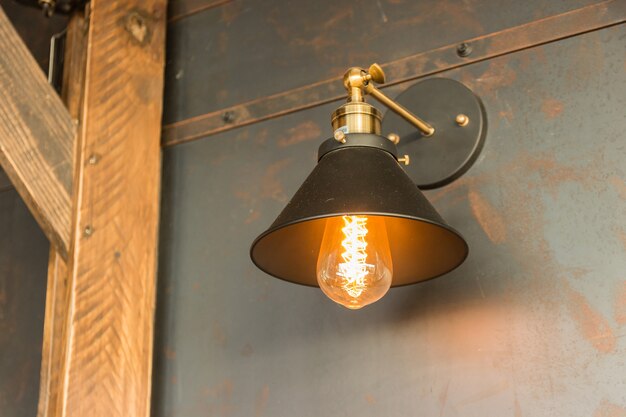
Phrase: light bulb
pixel 354 266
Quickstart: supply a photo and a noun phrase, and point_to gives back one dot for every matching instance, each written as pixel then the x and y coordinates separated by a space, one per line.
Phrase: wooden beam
pixel 36 138
pixel 98 337
pixel 58 293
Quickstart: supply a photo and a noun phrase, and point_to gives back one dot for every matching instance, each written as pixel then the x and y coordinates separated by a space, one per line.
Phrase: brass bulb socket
pixel 357 118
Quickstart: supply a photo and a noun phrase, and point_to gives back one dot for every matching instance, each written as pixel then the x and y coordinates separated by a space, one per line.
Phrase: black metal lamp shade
pixel 359 180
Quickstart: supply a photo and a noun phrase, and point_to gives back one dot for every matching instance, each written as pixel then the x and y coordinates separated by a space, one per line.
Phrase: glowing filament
pixel 354 269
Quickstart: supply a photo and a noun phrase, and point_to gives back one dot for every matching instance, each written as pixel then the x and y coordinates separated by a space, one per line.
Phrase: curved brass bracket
pixel 358 82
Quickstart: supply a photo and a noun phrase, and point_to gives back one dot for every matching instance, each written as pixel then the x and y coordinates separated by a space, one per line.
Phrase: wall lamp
pixel 359 223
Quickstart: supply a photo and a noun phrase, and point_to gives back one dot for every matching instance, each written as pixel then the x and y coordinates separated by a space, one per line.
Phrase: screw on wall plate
pixel 406 160
pixel 463 50
pixel 228 117
pixel 93 159
pixel 394 138
pixel 461 120
pixel 88 231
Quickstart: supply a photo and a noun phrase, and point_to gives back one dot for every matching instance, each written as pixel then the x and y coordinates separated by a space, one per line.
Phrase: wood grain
pixel 58 293
pixel 103 359
pixel 36 138
pixel 54 335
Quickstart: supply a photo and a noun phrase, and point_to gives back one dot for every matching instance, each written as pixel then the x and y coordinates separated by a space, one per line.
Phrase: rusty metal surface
pixel 245 50
pixel 179 9
pixel 533 324
pixel 23 264
pixel 538 32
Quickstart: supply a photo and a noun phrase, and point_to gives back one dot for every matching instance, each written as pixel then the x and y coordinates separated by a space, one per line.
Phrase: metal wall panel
pixel 243 50
pixel 23 267
pixel 532 324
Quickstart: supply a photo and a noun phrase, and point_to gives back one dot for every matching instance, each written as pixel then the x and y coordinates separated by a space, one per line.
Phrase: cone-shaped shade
pixel 364 181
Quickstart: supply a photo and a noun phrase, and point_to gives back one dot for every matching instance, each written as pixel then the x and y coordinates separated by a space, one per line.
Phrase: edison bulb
pixel 354 266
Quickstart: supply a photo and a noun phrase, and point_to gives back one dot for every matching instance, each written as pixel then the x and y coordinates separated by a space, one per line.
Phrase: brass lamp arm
pixel 424 127
pixel 358 81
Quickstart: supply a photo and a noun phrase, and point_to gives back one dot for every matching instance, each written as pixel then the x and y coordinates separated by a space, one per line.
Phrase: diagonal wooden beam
pixel 36 138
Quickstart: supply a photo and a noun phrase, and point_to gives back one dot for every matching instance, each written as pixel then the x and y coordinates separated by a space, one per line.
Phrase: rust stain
pixel 219 334
pixel 221 95
pixel 222 43
pixel 252 217
pixel 485 393
pixel 261 136
pixel 220 399
pixel 619 185
pixel 170 353
pixel 335 19
pixel 622 237
pixel 230 12
pixel 506 114
pixel 591 64
pixel 247 350
pixel 497 75
pixel 371 400
pixel 490 220
pixel 607 409
pixel 261 400
pixel 518 409
pixel 552 108
pixel 23 377
pixel 554 173
pixel 302 132
pixel 271 186
pixel 457 17
pixel 620 304
pixel 593 326
pixel 443 399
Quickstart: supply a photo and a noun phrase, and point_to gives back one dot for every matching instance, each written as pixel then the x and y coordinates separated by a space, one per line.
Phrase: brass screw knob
pixel 462 120
pixel 394 138
pixel 340 136
pixel 376 74
pixel 406 160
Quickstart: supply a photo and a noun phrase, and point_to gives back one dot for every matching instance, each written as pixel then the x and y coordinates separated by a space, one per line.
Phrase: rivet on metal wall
pixel 228 117
pixel 464 50
pixel 394 138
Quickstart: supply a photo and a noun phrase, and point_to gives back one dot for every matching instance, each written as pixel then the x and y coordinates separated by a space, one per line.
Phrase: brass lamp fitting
pixel 356 116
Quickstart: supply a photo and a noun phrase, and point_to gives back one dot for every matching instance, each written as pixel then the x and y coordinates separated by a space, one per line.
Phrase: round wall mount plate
pixel 439 159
